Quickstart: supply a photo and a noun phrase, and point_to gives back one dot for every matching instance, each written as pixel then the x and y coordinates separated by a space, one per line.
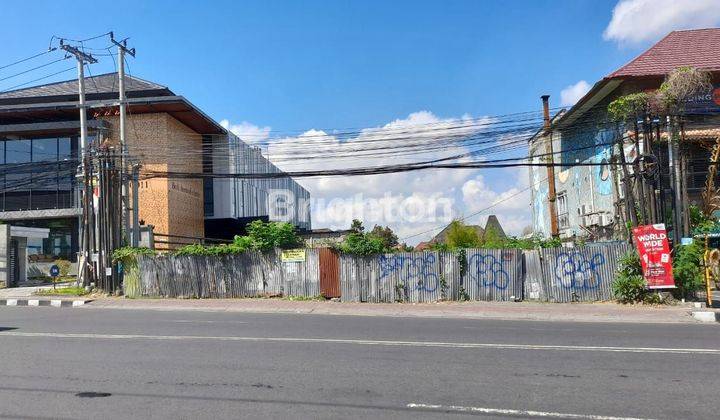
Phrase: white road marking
pixel 11 302
pixel 511 412
pixel 364 342
pixel 33 302
pixel 56 303
pixel 190 321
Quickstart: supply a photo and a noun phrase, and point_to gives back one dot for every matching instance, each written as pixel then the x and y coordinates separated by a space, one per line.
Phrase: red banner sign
pixel 652 245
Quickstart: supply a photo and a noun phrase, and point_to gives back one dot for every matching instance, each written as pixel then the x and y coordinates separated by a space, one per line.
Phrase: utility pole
pixel 674 170
pixel 82 58
pixel 122 50
pixel 552 196
pixel 135 203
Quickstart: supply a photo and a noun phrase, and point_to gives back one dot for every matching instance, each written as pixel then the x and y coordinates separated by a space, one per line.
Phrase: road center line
pixel 361 342
pixel 511 412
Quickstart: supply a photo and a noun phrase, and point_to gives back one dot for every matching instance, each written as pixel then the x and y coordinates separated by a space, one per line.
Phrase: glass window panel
pixel 44 188
pixel 17 191
pixel 65 187
pixel 2 152
pixel 17 151
pixel 64 149
pixel 44 150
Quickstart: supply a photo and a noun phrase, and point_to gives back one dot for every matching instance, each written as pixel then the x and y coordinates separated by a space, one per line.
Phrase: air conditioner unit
pixel 606 219
pixel 585 209
pixel 593 219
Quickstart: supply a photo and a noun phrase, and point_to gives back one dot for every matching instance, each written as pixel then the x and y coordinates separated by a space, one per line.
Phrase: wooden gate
pixel 329 273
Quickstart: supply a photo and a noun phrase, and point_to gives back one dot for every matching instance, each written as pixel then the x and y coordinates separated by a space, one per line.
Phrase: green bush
pixel 629 284
pixel 687 270
pixel 629 289
pixel 364 244
pixel 267 236
pixel 261 237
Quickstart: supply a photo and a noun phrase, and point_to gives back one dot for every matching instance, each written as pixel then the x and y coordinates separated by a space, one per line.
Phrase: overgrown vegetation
pixel 378 241
pixel 629 284
pixel 700 222
pixel 687 269
pixel 460 236
pixel 261 236
pixel 680 86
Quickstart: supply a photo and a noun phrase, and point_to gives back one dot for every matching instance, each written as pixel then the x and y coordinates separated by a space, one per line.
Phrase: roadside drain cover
pixel 93 394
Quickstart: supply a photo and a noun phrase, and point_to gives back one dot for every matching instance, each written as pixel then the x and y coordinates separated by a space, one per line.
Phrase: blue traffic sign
pixel 54 271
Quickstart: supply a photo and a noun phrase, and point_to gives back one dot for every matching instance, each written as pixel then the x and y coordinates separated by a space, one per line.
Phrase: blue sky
pixel 300 65
pixel 305 64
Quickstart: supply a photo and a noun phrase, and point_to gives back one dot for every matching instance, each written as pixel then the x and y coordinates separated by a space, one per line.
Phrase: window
pixel 563 217
pixel 37 173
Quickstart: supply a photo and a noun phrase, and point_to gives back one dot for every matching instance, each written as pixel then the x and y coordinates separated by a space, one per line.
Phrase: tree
pixel 266 236
pixel 357 226
pixel 461 236
pixel 386 235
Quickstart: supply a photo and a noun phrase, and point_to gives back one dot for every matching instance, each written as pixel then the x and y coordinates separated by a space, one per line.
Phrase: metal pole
pixel 674 182
pixel 135 207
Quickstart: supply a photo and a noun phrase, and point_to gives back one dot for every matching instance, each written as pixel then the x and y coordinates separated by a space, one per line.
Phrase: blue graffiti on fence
pixel 417 271
pixel 574 270
pixel 487 271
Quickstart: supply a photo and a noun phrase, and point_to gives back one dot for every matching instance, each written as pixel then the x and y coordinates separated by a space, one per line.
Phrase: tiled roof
pixel 103 83
pixel 698 48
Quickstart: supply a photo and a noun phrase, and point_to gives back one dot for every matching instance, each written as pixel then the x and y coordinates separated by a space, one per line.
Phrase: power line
pixel 33 69
pixel 28 58
pixel 37 80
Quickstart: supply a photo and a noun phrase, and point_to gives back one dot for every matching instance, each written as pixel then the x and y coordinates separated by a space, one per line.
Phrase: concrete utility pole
pixel 82 58
pixel 675 175
pixel 135 205
pixel 122 50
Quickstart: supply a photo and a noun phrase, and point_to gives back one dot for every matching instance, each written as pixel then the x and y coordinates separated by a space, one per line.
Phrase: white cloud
pixel 511 205
pixel 393 199
pixel 571 94
pixel 640 21
pixel 247 132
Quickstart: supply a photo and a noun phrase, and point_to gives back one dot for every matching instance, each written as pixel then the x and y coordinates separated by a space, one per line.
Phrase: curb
pixel 57 303
pixel 706 316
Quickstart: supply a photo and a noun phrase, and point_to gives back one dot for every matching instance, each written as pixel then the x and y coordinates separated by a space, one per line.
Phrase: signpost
pixel 54 273
pixel 652 245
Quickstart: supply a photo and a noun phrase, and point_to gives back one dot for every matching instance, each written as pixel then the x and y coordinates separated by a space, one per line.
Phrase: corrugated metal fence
pixel 490 274
pixel 228 276
pixel 554 275
pixel 572 274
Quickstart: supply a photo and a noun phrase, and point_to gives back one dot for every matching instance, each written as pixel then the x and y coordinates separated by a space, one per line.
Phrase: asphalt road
pixel 100 363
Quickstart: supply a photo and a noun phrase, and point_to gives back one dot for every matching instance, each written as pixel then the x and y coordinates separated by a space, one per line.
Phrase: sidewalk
pixel 577 312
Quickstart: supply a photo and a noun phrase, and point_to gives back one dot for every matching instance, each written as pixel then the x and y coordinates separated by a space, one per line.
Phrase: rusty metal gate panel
pixel 329 273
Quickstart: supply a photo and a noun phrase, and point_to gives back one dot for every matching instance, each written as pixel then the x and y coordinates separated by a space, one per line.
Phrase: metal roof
pixel 103 83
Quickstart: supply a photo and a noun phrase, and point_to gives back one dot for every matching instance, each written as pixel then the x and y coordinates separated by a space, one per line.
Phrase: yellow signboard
pixel 293 255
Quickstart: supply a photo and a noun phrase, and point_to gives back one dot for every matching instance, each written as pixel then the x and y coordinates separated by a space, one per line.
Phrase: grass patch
pixel 63 291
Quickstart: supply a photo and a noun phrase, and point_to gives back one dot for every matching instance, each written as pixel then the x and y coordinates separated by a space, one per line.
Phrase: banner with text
pixel 652 245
